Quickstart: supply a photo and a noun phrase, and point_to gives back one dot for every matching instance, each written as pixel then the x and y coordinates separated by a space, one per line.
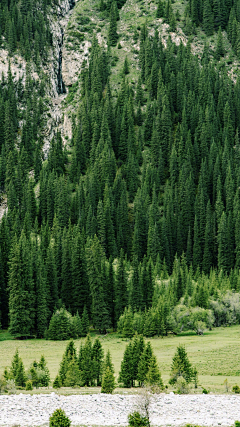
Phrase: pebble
pixel 112 410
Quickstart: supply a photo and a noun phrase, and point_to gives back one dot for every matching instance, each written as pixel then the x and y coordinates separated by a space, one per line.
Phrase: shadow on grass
pixel 192 334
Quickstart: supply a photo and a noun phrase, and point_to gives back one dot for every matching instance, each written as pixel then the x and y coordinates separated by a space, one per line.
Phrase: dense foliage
pixel 24 26
pixel 136 222
pixel 87 369
pixel 139 365
pixel 59 419
pixel 36 376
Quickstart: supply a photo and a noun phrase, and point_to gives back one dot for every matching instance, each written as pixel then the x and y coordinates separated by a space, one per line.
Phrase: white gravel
pixel 112 410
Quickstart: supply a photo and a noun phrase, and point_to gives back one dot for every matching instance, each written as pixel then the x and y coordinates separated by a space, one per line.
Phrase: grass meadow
pixel 216 355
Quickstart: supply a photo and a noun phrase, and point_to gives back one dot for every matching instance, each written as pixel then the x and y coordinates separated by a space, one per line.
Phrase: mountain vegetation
pixel 134 223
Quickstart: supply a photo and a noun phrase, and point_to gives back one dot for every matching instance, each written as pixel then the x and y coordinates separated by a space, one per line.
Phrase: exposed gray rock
pixel 113 410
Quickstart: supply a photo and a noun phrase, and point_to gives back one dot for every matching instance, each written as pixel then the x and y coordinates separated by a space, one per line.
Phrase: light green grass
pixel 215 354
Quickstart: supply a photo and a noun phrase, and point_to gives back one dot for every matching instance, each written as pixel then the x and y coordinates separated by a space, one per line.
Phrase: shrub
pixel 205 391
pixel 182 386
pixel 39 373
pixel 137 420
pixel 11 387
pixel 59 419
pixel 57 382
pixel 29 385
pixel 236 389
pixel 237 423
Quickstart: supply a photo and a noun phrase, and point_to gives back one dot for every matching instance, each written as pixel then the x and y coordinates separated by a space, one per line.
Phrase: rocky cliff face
pixel 56 89
pixel 58 21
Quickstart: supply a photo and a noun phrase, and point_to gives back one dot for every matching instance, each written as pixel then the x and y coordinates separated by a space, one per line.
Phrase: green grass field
pixel 216 354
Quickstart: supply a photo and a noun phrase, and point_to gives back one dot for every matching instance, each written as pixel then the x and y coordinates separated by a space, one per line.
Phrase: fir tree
pixel 112 31
pixel 108 383
pixel 153 377
pixel 181 366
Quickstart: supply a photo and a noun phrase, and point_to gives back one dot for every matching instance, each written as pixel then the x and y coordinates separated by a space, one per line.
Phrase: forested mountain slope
pixel 137 205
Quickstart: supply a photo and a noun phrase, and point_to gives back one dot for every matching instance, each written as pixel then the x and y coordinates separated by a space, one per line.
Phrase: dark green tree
pixel 112 31
pixel 181 366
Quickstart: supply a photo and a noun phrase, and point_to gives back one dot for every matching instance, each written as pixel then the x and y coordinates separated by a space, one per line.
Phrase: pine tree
pixel 160 9
pixel 85 362
pixel 181 366
pixel 153 377
pixel 100 313
pixel 120 288
pixel 97 358
pixel 85 321
pixel 108 383
pixel 20 378
pixel 41 297
pixel 21 289
pixel 208 26
pixel 68 357
pixel 222 239
pixel 144 363
pixel 15 364
pixel 128 331
pixel 135 294
pixel 112 31
pixel 108 362
pixel 219 48
pixel 126 372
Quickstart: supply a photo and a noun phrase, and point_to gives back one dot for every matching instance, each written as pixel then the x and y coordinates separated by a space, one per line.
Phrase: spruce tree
pixel 126 372
pixel 153 377
pixel 108 382
pixel 97 358
pixel 21 289
pixel 112 31
pixel 208 26
pixel 181 366
pixel 144 363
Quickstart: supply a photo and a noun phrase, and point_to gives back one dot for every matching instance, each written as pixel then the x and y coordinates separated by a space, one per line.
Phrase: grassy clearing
pixel 215 354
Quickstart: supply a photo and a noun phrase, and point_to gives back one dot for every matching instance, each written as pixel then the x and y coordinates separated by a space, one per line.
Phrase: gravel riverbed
pixel 112 410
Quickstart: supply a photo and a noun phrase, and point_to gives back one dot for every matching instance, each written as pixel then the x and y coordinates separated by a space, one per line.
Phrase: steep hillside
pixel 120 164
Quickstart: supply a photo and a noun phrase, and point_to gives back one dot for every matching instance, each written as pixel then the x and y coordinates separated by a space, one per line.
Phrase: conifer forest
pixel 133 225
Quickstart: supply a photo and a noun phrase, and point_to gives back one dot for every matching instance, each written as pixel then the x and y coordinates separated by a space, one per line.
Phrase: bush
pixel 29 385
pixel 39 373
pixel 137 420
pixel 11 387
pixel 59 419
pixel 205 391
pixel 182 386
pixel 236 389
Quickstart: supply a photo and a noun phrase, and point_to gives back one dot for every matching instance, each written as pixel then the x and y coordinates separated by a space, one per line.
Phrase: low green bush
pixel 29 385
pixel 137 420
pixel 236 389
pixel 59 419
